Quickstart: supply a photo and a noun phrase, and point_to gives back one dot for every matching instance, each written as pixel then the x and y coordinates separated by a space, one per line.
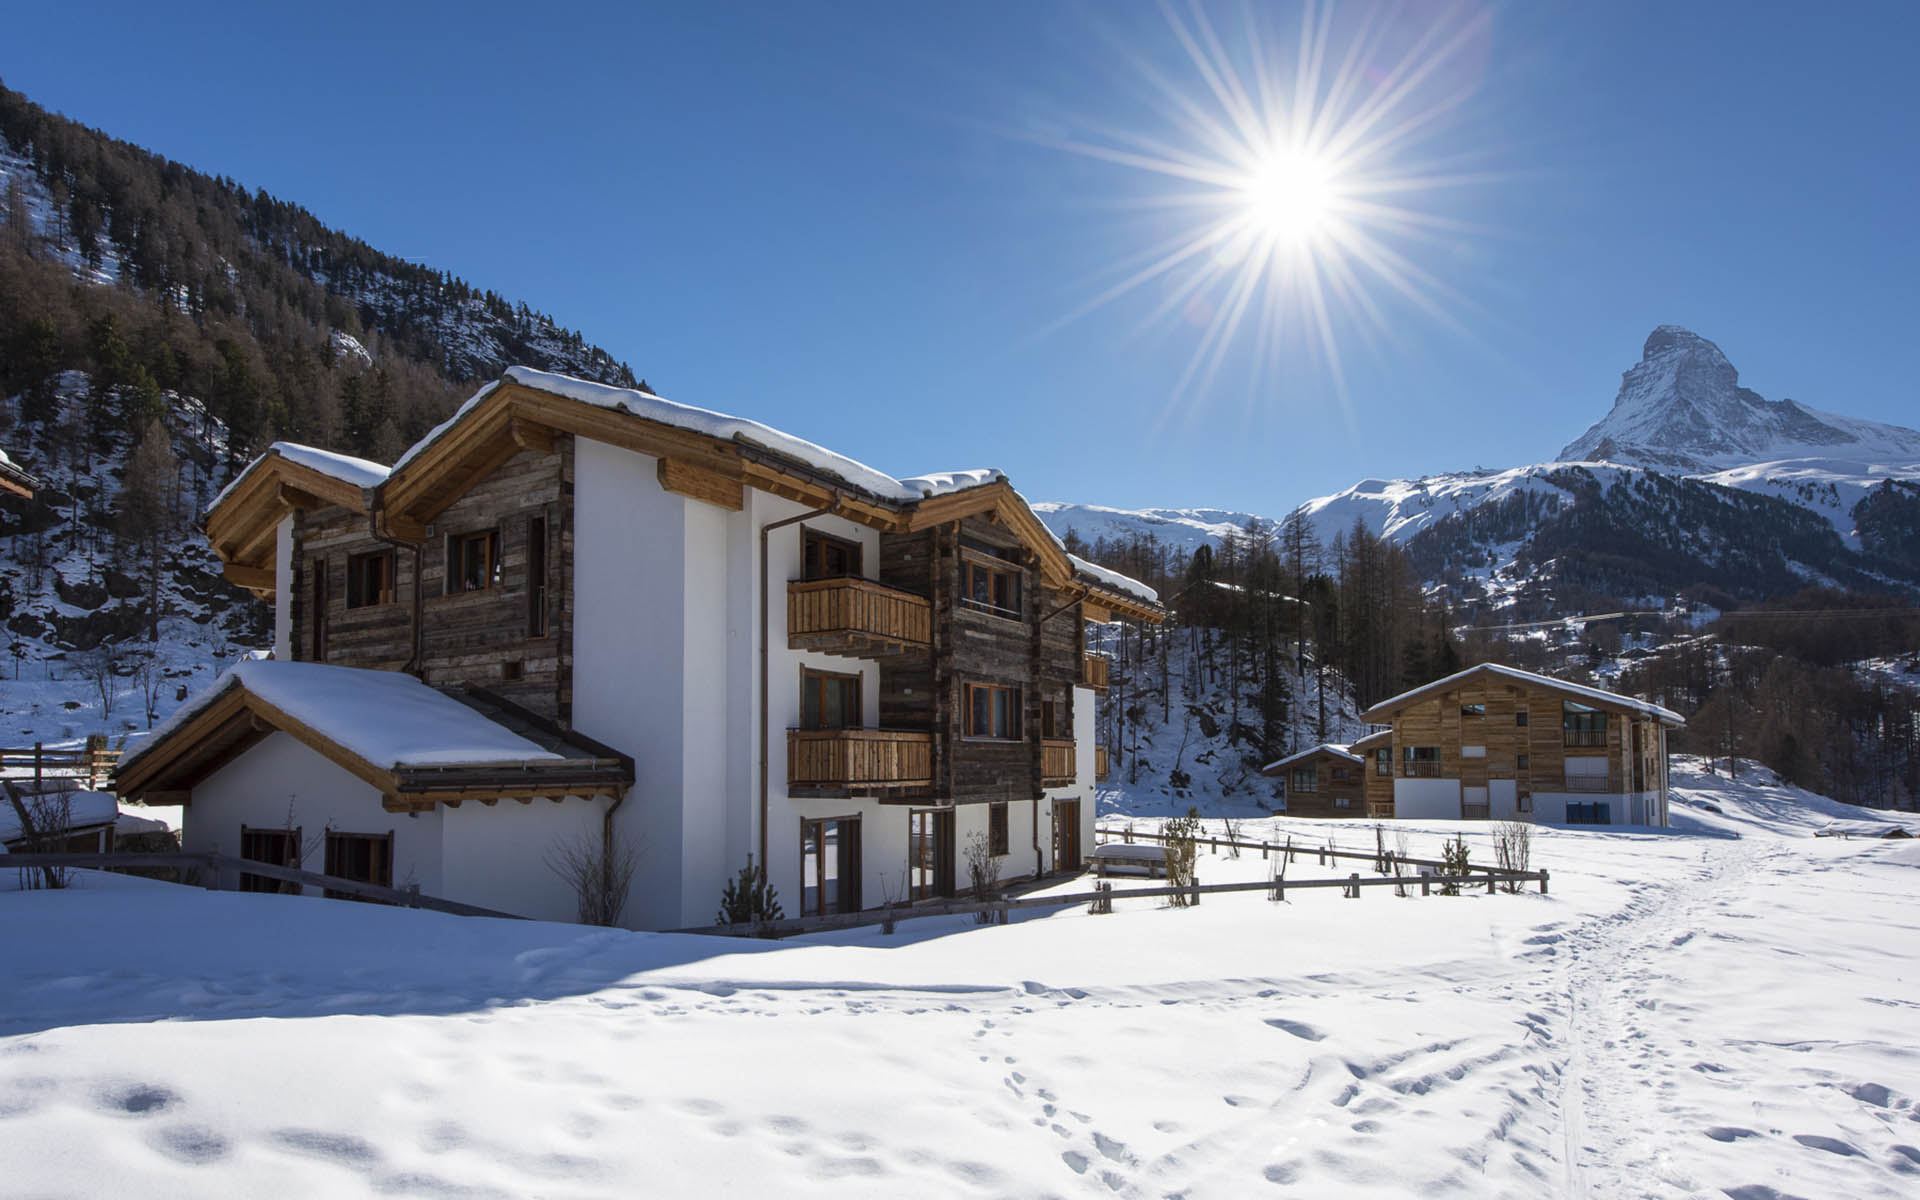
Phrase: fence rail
pixel 221 872
pixel 1322 854
pixel 95 763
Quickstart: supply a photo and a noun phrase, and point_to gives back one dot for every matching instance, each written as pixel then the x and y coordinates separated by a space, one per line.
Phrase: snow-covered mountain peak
pixel 1681 409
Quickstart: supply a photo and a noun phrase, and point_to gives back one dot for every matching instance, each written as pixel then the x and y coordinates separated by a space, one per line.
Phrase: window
pixel 1304 779
pixel 1422 761
pixel 1473 710
pixel 278 847
pixel 993 711
pixel 473 561
pixel 370 579
pixel 997 828
pixel 536 577
pixel 829 866
pixel 829 701
pixel 1339 773
pixel 1520 762
pixel 823 556
pixel 991 589
pixel 1052 720
pixel 929 853
pixel 319 610
pixel 1583 726
pixel 1525 802
pixel 1383 761
pixel 1589 814
pixel 1520 717
pixel 1342 802
pixel 365 857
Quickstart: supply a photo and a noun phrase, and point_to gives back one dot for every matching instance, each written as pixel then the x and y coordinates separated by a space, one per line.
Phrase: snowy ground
pixel 1724 1008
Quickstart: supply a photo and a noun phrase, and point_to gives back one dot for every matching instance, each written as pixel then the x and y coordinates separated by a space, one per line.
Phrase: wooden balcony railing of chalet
pixel 1102 762
pixel 857 618
pixel 1583 737
pixel 1056 762
pixel 1095 670
pixel 859 759
pixel 1610 782
pixel 1422 769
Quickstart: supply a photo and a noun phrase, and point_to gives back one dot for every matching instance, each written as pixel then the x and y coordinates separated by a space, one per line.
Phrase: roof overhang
pixel 241 527
pixel 15 482
pixel 1517 679
pixel 1326 750
pixel 166 771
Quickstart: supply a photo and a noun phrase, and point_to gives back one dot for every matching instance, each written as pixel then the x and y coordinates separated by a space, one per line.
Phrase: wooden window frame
pixel 998 824
pixel 1015 717
pixel 456 561
pixel 1339 773
pixel 291 843
pixel 1383 762
pixel 1520 716
pixel 1520 762
pixel 1050 726
pixel 1414 758
pixel 337 837
pixel 850 897
pixel 1310 773
pixel 319 600
pixel 356 582
pixel 995 573
pixel 539 577
pixel 812 676
pixel 1474 711
pixel 1577 725
pixel 813 543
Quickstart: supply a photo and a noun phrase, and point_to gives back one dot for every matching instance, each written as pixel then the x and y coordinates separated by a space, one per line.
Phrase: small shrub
pixel 1455 855
pixel 749 898
pixel 983 874
pixel 1513 848
pixel 1183 852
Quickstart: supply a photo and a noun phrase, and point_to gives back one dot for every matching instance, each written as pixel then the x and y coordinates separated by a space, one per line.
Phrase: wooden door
pixel 1066 835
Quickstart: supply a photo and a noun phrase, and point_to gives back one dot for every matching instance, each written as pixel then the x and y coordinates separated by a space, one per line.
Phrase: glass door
pixel 829 866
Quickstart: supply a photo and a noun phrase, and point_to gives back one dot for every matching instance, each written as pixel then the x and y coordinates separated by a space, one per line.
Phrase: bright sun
pixel 1289 196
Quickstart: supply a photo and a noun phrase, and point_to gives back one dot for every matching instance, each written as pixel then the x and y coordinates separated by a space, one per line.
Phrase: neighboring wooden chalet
pixel 1326 781
pixel 1494 742
pixel 1376 756
pixel 14 481
pixel 842 675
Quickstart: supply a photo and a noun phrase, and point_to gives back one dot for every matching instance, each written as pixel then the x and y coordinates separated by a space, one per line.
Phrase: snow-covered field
pixel 1723 1008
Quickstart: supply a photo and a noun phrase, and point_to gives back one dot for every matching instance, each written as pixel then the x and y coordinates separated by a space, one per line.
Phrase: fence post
pixel 1424 885
pixel 1490 883
pixel 1353 890
pixel 1543 881
pixel 1193 896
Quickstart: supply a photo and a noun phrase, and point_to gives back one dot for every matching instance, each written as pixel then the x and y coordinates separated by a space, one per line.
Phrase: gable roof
pixel 707 455
pixel 410 741
pixel 1384 710
pixel 1331 749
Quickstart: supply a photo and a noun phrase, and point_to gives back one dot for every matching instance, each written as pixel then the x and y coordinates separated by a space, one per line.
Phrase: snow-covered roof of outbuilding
pixel 1114 580
pixel 1333 748
pixel 356 472
pixel 78 809
pixel 384 717
pixel 1596 695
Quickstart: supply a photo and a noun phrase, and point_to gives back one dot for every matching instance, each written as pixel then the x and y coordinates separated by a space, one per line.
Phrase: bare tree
pixel 1513 848
pixel 983 873
pixel 45 818
pixel 149 680
pixel 100 666
pixel 600 871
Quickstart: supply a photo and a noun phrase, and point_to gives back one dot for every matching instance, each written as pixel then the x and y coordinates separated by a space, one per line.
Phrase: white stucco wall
pixel 283 591
pixel 258 787
pixel 1427 799
pixel 498 855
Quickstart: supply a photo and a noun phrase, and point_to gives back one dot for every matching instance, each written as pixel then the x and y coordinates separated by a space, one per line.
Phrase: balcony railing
pixel 857 618
pixel 1095 671
pixel 1057 762
pixel 1609 782
pixel 1475 812
pixel 859 759
pixel 1422 769
pixel 1583 737
pixel 1102 762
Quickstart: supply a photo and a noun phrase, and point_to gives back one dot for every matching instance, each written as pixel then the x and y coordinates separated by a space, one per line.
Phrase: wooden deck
pixel 856 618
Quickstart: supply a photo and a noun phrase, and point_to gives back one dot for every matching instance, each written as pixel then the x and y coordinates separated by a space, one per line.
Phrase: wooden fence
pixel 93 763
pixel 1323 855
pixel 221 872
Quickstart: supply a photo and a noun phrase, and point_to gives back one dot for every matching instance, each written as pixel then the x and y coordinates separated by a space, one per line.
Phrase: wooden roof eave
pixel 999 499
pixel 242 527
pixel 180 760
pixel 1382 713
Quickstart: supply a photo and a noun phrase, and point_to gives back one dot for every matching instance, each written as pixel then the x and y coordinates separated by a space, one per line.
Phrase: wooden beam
pixel 1093 610
pixel 260 579
pixel 527 435
pixel 702 484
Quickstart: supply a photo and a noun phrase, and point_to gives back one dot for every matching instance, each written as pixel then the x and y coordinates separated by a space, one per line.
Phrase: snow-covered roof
pixel 1333 748
pixel 387 718
pixel 1644 708
pixel 1114 580
pixel 357 472
pixel 81 809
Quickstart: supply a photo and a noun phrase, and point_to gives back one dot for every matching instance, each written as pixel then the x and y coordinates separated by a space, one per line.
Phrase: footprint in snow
pixel 1297 1029
pixel 335 1147
pixel 138 1100
pixel 194 1145
pixel 1814 1141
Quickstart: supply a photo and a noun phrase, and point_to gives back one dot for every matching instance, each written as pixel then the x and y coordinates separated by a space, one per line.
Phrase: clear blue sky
pixel 857 221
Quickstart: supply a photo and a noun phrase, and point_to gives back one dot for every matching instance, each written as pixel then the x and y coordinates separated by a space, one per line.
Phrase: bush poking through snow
pixel 599 870
pixel 44 819
pixel 1455 855
pixel 749 898
pixel 1183 851
pixel 983 874
pixel 1512 848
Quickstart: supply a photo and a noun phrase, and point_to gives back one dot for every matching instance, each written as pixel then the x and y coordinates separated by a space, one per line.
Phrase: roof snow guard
pixel 707 456
pixel 416 745
pixel 14 481
pixel 1330 748
pixel 1383 711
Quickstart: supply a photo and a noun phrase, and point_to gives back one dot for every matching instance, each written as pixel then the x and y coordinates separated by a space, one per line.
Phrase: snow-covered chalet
pixel 575 614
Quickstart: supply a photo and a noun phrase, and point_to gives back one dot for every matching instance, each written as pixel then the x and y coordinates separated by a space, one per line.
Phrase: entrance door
pixel 930 853
pixel 1066 835
pixel 829 866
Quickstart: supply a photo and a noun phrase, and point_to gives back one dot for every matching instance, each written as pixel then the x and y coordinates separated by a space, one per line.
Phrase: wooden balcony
pixel 856 618
pixel 1095 670
pixel 858 760
pixel 1102 762
pixel 1056 762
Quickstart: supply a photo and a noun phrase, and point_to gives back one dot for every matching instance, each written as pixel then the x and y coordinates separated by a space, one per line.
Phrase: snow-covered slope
pixel 1183 528
pixel 1681 409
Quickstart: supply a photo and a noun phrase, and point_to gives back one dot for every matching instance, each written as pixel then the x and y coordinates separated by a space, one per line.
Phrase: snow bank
pixel 386 717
